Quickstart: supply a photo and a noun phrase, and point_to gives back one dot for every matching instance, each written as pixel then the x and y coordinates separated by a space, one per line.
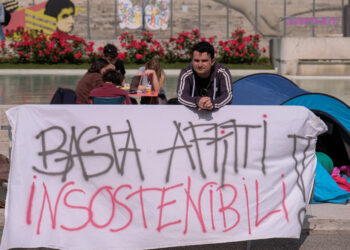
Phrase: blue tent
pixel 264 89
pixel 273 89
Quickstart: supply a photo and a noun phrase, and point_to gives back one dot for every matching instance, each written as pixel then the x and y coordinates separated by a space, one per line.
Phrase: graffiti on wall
pixel 47 16
pixel 156 14
pixel 312 21
pixel 269 21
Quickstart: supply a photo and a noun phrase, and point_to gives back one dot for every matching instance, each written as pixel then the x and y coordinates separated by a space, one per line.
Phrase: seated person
pixel 92 79
pixel 111 87
pixel 152 74
pixel 110 53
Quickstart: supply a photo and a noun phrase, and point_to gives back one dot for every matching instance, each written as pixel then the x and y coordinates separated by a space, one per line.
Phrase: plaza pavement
pixel 326 226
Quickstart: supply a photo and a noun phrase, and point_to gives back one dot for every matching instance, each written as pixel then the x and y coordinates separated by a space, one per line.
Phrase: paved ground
pixel 326 226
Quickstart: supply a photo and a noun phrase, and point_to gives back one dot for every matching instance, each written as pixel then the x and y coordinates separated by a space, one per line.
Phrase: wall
pixel 99 22
pixel 311 56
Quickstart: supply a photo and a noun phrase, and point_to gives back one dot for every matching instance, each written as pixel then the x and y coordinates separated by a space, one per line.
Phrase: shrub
pixel 36 47
pixel 240 49
pixel 180 49
pixel 140 51
pixel 31 46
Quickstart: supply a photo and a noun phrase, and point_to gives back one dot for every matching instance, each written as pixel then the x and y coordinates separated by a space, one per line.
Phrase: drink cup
pixel 127 86
pixel 149 88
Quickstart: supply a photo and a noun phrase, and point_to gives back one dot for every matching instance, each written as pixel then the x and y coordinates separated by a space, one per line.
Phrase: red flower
pixel 78 55
pixel 139 56
pixel 122 56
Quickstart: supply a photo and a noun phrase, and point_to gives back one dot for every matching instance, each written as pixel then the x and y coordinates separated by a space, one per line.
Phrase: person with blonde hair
pixel 152 73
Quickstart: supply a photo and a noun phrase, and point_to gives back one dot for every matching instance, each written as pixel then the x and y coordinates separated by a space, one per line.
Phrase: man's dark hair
pixel 113 76
pixel 202 47
pixel 97 65
pixel 54 7
pixel 110 51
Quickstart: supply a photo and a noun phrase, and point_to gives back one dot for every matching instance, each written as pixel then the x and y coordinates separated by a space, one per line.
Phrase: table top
pixel 149 94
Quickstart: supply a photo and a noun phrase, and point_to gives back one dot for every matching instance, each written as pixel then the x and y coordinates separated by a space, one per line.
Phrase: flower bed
pixel 36 47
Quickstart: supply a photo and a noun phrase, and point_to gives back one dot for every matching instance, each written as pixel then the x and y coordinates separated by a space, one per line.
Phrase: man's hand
pixel 205 103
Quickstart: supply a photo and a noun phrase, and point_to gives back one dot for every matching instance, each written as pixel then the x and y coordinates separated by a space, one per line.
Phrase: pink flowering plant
pixel 179 49
pixel 140 51
pixel 36 47
pixel 3 50
pixel 240 48
pixel 31 46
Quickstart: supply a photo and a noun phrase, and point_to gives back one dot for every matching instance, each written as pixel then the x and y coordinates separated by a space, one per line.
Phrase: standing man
pixel 204 83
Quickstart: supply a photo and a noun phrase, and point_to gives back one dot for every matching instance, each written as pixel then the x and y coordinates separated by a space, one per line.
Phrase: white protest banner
pixel 134 177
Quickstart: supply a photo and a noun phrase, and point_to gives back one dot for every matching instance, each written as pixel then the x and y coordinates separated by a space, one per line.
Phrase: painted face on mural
pixel 65 20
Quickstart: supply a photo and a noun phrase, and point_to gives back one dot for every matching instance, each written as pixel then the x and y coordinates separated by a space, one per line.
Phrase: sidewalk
pixel 327 218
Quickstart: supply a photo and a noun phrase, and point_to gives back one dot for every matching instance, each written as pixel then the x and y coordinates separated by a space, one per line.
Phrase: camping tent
pixel 273 89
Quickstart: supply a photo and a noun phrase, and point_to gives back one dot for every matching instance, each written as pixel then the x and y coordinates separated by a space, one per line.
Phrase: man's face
pixel 112 60
pixel 202 63
pixel 65 20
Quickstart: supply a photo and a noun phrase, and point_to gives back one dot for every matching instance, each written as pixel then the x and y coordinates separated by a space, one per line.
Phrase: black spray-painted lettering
pixel 300 181
pixel 74 151
pixel 213 136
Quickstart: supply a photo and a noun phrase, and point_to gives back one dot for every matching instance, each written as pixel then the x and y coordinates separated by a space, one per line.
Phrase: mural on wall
pixel 156 14
pixel 47 16
pixel 130 15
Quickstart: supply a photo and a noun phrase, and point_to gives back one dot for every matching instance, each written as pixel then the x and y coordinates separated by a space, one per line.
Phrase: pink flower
pixel 139 56
pixel 122 56
pixel 78 55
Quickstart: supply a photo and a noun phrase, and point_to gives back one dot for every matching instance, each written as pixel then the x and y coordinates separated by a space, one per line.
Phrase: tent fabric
pixel 264 89
pixel 326 189
pixel 324 103
pixel 273 89
pixel 326 161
